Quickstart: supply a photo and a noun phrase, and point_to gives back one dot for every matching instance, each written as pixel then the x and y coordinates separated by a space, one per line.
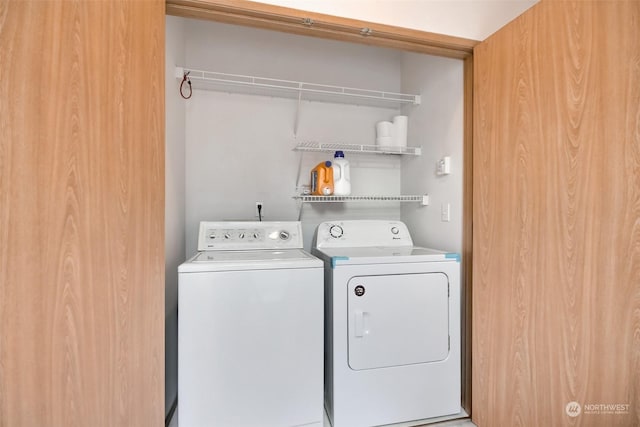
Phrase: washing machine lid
pixel 206 261
pixel 384 255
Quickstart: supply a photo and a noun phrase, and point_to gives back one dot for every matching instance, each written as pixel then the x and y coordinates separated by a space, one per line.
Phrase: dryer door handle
pixel 359 329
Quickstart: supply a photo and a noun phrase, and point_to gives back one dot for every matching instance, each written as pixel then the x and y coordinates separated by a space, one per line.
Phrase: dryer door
pixel 398 320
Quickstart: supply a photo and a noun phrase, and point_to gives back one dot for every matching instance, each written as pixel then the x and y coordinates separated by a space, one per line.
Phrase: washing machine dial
pixel 284 235
pixel 336 231
pixel 395 230
pixel 241 236
pixel 227 236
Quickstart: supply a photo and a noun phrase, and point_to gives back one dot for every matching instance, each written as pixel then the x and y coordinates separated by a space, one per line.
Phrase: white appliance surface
pixel 250 330
pixel 244 235
pixel 249 260
pixel 384 255
pixel 363 234
pixel 392 325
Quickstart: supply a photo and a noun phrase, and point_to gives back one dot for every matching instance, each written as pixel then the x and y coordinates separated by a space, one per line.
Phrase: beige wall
pixel 175 252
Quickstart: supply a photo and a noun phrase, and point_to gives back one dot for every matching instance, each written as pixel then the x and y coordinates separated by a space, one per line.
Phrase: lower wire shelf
pixel 324 199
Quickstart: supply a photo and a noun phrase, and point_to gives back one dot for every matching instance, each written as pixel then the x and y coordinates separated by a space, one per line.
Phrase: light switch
pixel 445 212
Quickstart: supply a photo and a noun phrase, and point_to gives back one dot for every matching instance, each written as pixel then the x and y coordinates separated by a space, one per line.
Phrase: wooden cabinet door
pixel 81 213
pixel 556 216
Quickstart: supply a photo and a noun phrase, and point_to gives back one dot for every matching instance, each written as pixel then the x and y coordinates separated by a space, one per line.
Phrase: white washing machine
pixel 250 328
pixel 392 332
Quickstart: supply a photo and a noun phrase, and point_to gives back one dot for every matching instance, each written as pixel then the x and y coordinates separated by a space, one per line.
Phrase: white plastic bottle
pixel 341 175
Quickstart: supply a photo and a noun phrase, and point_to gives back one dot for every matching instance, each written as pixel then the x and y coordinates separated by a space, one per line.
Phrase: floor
pixel 453 423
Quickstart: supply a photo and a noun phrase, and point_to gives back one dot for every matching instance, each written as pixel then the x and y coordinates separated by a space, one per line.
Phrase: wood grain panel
pixel 556 253
pixel 81 213
pixel 467 237
pixel 260 15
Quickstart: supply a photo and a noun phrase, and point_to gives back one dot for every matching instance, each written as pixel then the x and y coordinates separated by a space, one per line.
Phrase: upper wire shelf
pixel 287 88
pixel 357 148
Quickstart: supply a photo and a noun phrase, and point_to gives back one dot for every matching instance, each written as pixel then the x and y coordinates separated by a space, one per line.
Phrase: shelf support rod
pixel 297 118
pixel 300 206
pixel 298 185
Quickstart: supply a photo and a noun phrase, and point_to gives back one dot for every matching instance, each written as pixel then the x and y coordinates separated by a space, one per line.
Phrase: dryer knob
pixel 227 235
pixel 395 230
pixel 335 231
pixel 284 235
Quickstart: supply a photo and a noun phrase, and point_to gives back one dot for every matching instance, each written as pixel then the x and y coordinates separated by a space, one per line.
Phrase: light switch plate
pixel 445 212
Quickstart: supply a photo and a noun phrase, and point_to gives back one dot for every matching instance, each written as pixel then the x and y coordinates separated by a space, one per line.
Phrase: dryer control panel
pixel 362 233
pixel 249 235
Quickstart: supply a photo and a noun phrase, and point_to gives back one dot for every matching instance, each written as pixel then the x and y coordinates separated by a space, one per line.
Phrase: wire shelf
pixel 278 85
pixel 357 148
pixel 324 199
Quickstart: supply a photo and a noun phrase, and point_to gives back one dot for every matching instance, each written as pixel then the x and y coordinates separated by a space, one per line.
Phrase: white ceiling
pixel 471 19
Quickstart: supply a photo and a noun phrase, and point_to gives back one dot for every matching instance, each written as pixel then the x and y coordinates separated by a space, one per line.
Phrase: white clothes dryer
pixel 392 325
pixel 250 328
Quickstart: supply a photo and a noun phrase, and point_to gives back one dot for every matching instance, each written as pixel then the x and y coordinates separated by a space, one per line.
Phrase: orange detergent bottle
pixel 322 179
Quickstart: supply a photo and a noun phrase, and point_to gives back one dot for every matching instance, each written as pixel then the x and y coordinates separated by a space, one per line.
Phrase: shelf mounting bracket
pixel 297 117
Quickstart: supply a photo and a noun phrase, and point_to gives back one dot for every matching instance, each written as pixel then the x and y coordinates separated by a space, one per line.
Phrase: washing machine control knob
pixel 335 231
pixel 227 236
pixel 284 235
pixel 241 236
pixel 395 230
